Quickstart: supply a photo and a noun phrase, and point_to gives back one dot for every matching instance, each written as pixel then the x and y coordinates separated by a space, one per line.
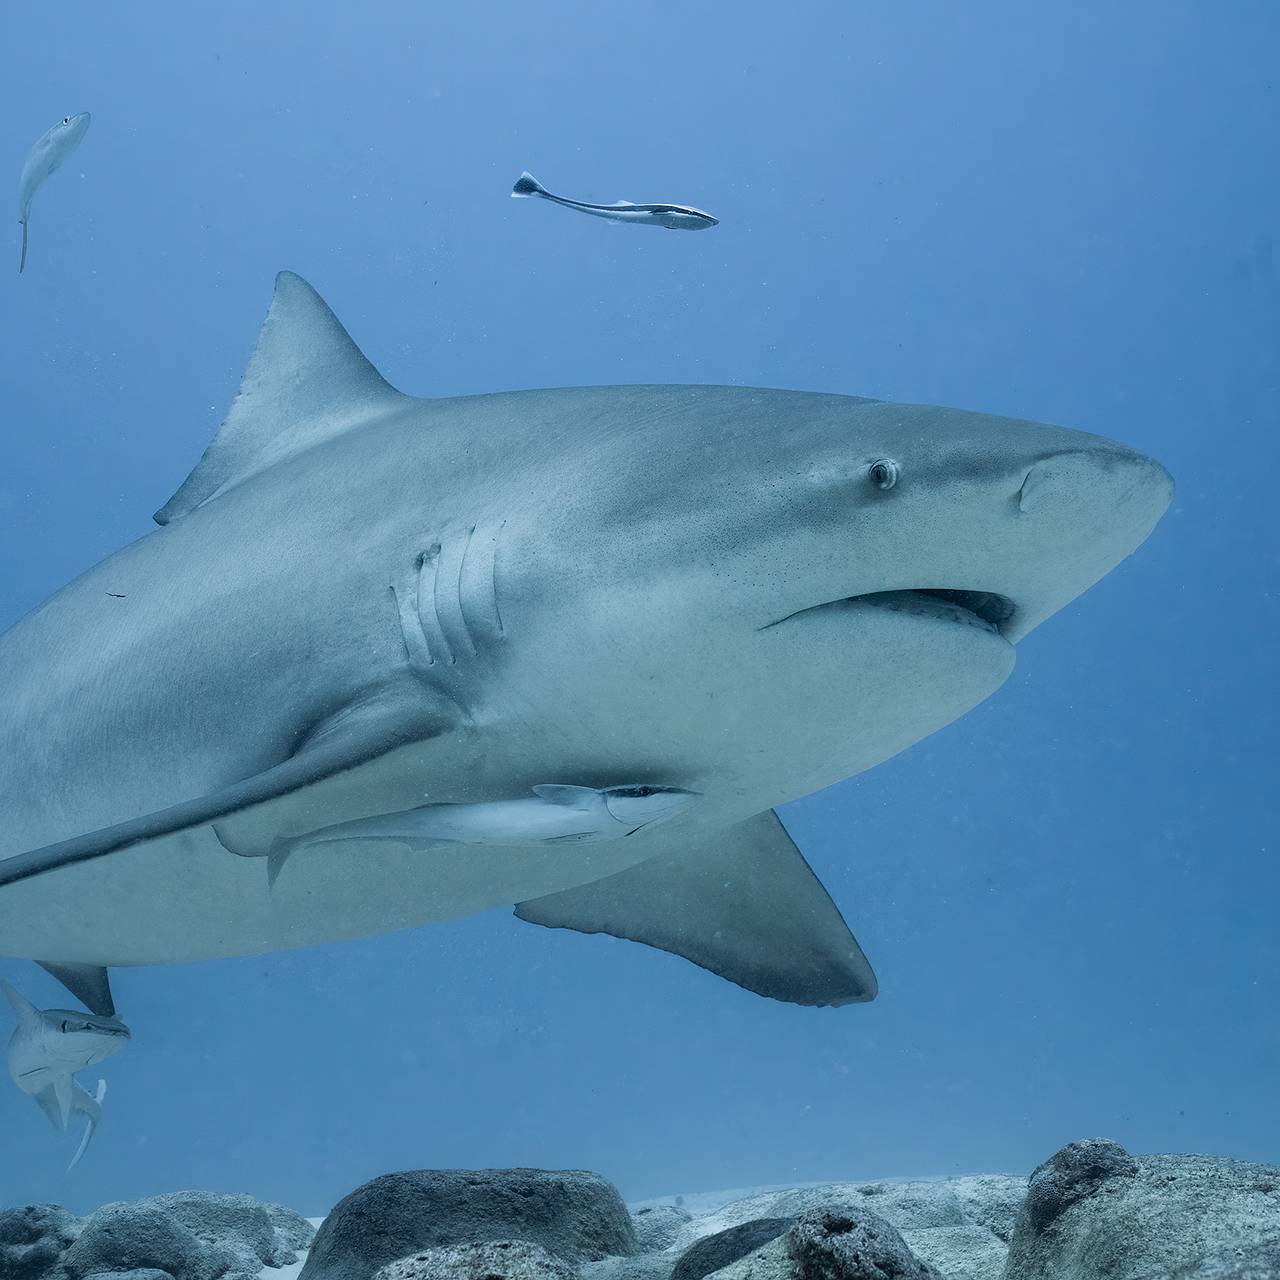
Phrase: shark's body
pixel 674 217
pixel 46 157
pixel 362 603
pixel 48 1047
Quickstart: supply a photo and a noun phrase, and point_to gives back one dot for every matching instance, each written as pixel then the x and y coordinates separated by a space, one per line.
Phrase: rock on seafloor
pixel 714 1252
pixel 1094 1212
pixel 33 1239
pixel 961 1226
pixel 575 1215
pixel 657 1226
pixel 834 1244
pixel 1091 1212
pixel 188 1235
pixel 489 1260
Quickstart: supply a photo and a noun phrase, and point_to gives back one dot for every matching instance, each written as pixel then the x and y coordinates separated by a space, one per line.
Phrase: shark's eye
pixel 634 793
pixel 883 474
pixel 66 119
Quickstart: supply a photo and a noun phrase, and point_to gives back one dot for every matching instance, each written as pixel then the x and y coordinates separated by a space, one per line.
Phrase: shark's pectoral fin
pixel 353 737
pixel 742 903
pixel 89 984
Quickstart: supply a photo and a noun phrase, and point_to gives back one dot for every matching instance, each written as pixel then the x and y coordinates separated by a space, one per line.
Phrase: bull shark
pixel 48 1047
pixel 674 217
pixel 48 152
pixel 361 603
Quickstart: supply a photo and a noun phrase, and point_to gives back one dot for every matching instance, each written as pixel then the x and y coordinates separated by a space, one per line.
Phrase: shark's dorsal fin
pixel 306 382
pixel 27 1014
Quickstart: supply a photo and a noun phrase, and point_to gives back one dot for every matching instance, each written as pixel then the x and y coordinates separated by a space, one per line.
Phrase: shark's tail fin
pixel 91 1105
pixel 22 261
pixel 527 185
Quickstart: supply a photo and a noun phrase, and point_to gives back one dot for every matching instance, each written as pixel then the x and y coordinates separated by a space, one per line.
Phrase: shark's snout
pixel 1108 478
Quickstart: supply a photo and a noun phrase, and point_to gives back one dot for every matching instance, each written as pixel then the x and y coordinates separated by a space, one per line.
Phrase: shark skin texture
pixel 362 604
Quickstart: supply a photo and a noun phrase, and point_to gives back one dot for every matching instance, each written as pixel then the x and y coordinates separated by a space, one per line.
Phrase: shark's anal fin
pixel 742 903
pixel 306 382
pixel 89 983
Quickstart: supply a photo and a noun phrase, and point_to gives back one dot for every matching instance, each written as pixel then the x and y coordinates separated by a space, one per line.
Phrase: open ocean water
pixel 1066 213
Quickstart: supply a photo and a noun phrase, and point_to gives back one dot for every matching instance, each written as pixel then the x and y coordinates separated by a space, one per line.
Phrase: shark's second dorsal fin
pixel 306 382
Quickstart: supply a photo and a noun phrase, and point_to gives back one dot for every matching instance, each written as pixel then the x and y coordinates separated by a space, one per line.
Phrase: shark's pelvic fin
pixel 89 984
pixel 306 382
pixel 742 903
pixel 27 1014
pixel 49 1104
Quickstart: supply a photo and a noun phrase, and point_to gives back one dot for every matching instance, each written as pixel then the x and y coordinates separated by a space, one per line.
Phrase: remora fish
pixel 48 1047
pixel 361 602
pixel 51 149
pixel 556 814
pixel 675 217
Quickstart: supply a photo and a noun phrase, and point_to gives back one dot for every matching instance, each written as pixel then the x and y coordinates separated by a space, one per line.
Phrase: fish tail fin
pixel 91 1105
pixel 22 261
pixel 527 185
pixel 276 859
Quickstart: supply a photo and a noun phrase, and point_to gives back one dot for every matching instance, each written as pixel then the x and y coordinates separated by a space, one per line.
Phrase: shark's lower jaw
pixel 985 610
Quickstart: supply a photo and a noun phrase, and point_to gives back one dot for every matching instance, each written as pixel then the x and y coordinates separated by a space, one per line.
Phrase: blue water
pixel 1065 212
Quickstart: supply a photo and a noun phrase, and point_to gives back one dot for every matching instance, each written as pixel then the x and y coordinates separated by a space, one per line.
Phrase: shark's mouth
pixel 985 610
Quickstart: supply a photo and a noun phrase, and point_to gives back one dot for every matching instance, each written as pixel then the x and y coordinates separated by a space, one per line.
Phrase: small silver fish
pixel 50 150
pixel 675 217
pixel 48 1047
pixel 554 814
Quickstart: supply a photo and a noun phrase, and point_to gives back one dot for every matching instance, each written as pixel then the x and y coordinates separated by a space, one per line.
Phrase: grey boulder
pixel 1094 1212
pixel 657 1226
pixel 490 1260
pixel 714 1252
pixel 575 1215
pixel 833 1244
pixel 187 1235
pixel 140 1273
pixel 128 1237
pixel 258 1235
pixel 960 1225
pixel 33 1239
